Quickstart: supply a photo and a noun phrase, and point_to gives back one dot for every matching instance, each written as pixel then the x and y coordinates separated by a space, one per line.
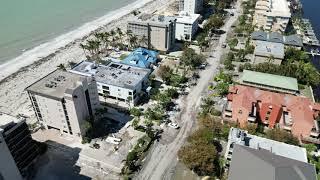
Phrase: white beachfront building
pixel 116 82
pixel 191 6
pixel 186 26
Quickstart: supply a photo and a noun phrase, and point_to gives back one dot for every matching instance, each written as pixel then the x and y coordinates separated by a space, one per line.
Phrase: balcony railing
pixel 252 119
pixel 287 127
pixel 314 133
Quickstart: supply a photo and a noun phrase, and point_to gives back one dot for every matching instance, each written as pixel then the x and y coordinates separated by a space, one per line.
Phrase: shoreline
pixel 46 50
pixel 14 100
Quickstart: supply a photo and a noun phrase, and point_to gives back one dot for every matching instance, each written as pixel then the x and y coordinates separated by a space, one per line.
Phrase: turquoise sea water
pixel 25 24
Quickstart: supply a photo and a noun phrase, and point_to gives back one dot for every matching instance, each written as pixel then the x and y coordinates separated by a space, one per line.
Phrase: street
pixel 162 157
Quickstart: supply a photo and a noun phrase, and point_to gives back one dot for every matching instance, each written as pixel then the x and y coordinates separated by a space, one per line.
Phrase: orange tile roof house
pixel 293 113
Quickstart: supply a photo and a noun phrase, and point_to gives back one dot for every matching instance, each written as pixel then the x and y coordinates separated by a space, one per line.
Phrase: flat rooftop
pixel 115 74
pixel 279 8
pixel 154 19
pixel 274 8
pixel 268 49
pixel 278 148
pixel 55 84
pixel 187 18
pixel 6 119
pixel 271 80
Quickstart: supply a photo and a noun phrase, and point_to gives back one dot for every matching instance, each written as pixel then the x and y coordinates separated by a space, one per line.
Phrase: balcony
pixel 227 113
pixel 252 119
pixel 314 133
pixel 287 127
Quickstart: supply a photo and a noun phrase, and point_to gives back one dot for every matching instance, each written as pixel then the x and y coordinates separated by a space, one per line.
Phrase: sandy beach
pixel 19 73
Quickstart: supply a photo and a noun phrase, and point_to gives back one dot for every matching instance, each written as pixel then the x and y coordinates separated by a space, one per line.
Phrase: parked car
pixel 113 140
pixel 224 45
pixel 203 66
pixel 173 125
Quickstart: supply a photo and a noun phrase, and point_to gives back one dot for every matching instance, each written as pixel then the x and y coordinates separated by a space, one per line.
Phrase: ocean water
pixel 25 24
pixel 311 11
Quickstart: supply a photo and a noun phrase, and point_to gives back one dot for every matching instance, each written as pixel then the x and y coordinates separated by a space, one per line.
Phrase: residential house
pixel 289 41
pixel 253 164
pixel 268 52
pixel 142 58
pixel 270 82
pixel 243 138
pixel 294 114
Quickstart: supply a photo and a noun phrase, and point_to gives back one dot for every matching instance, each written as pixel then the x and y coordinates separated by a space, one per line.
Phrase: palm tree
pixel 120 34
pixel 133 41
pixel 83 47
pixel 61 67
pixel 144 42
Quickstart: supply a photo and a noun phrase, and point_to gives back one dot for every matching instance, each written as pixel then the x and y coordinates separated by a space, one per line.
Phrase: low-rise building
pixel 17 149
pixel 289 41
pixel 253 164
pixel 272 15
pixel 271 82
pixel 116 81
pixel 295 114
pixel 187 25
pixel 64 101
pixel 243 138
pixel 142 58
pixel 157 30
pixel 268 52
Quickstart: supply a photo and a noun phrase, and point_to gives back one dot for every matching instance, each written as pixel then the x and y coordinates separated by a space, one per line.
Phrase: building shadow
pixel 58 163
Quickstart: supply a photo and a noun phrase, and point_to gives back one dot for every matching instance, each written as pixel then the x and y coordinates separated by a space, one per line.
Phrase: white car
pixel 173 125
pixel 113 140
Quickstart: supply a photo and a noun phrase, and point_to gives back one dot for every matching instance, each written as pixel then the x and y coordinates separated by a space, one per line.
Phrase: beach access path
pixel 14 98
pixel 162 158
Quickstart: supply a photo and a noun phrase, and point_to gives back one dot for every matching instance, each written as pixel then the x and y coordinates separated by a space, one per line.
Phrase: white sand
pixel 36 63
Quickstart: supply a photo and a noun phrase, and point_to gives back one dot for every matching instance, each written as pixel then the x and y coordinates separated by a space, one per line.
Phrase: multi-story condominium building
pixel 186 26
pixel 252 164
pixel 242 138
pixel 116 81
pixel 270 82
pixel 17 149
pixel 64 101
pixel 272 15
pixel 295 114
pixel 191 6
pixel 158 30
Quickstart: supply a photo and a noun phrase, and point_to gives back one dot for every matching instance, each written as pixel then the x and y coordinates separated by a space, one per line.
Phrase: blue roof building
pixel 142 58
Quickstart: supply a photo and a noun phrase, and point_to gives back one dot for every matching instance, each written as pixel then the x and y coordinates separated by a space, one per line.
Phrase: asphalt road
pixel 162 157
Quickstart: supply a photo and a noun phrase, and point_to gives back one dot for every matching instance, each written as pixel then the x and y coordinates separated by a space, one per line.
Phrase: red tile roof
pixel 302 110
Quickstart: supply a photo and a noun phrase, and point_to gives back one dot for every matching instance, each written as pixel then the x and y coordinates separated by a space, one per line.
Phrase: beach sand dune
pixel 38 62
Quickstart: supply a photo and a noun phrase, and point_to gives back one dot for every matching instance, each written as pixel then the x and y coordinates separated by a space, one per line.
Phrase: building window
pixel 105 87
pixel 130 93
